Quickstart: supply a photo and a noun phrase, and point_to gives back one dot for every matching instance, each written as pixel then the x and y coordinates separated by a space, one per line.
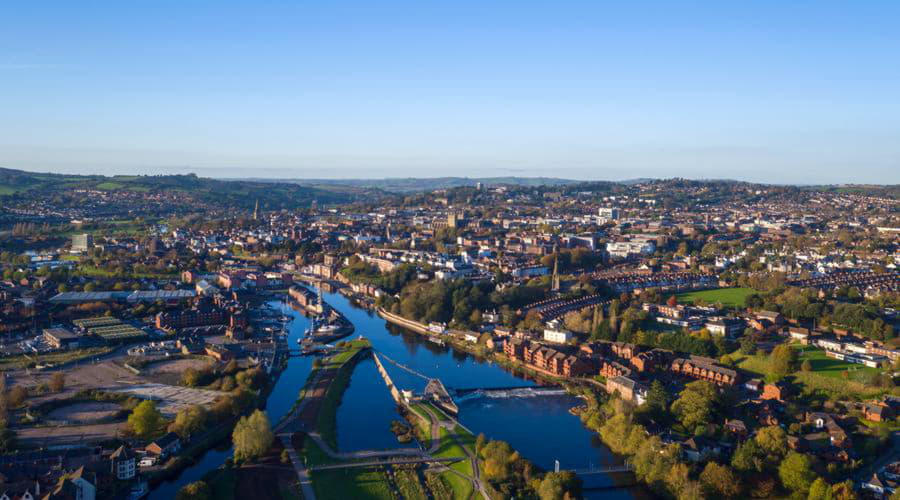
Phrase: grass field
pixel 729 297
pixel 830 367
pixel 827 374
pixel 351 483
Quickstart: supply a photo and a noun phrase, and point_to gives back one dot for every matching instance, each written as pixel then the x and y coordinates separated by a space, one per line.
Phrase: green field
pixel 729 297
pixel 351 483
pixel 830 367
pixel 826 374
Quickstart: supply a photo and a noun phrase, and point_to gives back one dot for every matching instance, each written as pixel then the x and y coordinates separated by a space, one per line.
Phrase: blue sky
pixel 784 92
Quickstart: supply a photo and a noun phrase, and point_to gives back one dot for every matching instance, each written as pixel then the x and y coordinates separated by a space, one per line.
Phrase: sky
pixel 766 91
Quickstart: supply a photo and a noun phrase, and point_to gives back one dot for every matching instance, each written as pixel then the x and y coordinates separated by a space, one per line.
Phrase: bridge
pixel 404 367
pixel 626 467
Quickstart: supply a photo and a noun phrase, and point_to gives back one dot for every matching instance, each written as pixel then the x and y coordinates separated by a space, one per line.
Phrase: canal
pixel 541 428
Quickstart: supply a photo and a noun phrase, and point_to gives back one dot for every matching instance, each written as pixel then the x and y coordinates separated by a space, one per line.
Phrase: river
pixel 541 428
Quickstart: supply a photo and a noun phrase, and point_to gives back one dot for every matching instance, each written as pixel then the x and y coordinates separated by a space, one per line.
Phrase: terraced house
pixel 704 369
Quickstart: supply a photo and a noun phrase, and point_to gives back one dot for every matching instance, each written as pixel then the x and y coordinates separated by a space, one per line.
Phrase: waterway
pixel 540 427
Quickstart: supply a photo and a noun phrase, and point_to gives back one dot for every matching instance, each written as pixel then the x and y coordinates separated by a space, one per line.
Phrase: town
pixel 724 339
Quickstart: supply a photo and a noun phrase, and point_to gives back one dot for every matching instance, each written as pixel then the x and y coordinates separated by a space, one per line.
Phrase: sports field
pixel 730 297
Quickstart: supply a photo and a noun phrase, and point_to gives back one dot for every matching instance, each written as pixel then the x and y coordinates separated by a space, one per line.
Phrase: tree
pixel 57 382
pixel 557 485
pixel 16 396
pixel 189 421
pixel 748 457
pixel 657 403
pixel 7 438
pixel 844 491
pixel 696 404
pixel 198 490
pixel 720 481
pixel 190 377
pixel 145 420
pixel 782 362
pixel 252 436
pixel 820 490
pixel 772 440
pixel 796 472
pixel 806 366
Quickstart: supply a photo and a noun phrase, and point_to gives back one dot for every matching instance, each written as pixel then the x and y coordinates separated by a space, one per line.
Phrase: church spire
pixel 555 286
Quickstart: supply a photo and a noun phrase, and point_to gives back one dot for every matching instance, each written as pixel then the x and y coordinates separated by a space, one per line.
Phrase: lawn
pixel 451 447
pixel 461 487
pixel 826 374
pixel 729 297
pixel 351 483
pixel 830 367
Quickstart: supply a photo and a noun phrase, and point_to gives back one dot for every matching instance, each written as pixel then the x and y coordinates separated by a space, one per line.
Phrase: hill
pixel 412 184
pixel 234 193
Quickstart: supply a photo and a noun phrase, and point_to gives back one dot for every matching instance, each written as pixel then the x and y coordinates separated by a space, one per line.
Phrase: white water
pixel 525 392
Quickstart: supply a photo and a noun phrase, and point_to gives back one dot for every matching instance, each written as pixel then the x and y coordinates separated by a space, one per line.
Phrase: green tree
pixel 782 362
pixel 198 490
pixel 796 472
pixel 820 490
pixel 720 481
pixel 696 404
pixel 190 377
pixel 252 436
pixel 657 403
pixel 748 457
pixel 145 420
pixel 557 485
pixel 189 421
pixel 772 440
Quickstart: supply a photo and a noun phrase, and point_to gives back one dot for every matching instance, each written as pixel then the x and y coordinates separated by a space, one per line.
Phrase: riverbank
pixel 477 350
pixel 215 437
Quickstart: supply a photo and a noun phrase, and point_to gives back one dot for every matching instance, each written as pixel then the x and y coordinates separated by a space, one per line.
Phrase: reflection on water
pixel 541 428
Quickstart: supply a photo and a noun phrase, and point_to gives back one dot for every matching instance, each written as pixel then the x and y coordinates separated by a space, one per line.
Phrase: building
pixel 557 336
pixel 608 213
pixel 123 464
pixel 628 389
pixel 61 338
pixel 777 391
pixel 704 369
pixel 82 242
pixel 165 446
pixel 726 327
pixel 73 487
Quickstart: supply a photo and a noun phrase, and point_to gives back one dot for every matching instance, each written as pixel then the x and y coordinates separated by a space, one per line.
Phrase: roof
pixel 167 440
pixel 121 453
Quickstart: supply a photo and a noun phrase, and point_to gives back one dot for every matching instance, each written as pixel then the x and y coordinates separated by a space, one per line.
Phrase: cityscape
pixel 449 251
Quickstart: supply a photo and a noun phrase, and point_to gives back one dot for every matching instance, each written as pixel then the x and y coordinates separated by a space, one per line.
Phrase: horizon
pixel 763 92
pixel 440 177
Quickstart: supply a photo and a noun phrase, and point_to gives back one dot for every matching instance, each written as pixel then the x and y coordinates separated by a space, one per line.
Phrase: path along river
pixel 539 427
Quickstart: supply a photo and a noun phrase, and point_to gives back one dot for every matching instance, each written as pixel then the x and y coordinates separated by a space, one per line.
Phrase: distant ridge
pixel 411 184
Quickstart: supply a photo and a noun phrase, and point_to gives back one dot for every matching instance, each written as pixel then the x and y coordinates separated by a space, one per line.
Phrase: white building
pixel 557 336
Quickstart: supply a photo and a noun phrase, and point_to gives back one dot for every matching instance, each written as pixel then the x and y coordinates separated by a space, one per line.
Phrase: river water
pixel 541 428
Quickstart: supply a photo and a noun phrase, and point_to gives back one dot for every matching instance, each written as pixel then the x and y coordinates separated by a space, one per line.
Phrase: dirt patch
pixel 85 412
pixel 43 437
pixel 177 366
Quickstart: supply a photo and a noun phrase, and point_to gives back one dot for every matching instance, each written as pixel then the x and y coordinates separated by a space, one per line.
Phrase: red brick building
pixel 704 369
